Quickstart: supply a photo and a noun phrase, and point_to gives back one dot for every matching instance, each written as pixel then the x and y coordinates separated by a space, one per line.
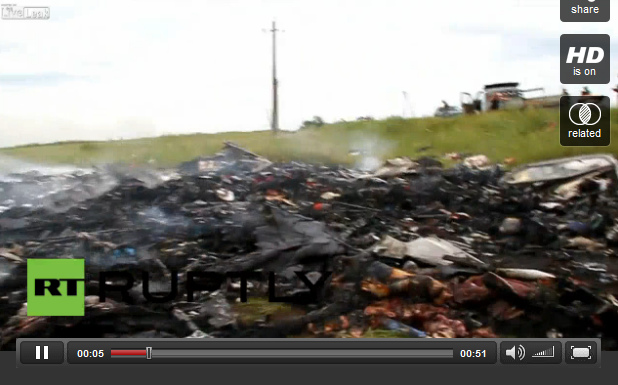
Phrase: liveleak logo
pixel 55 287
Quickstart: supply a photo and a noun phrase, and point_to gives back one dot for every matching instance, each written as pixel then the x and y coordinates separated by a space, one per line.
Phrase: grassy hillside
pixel 525 135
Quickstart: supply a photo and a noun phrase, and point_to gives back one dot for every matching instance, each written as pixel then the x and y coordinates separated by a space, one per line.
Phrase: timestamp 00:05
pixel 90 353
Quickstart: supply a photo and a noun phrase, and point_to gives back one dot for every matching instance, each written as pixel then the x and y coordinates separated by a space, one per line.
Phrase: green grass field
pixel 527 136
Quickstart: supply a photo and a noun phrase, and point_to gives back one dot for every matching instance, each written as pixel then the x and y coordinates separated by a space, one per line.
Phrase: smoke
pixel 157 216
pixel 60 187
pixel 55 187
pixel 370 150
pixel 161 222
pixel 11 167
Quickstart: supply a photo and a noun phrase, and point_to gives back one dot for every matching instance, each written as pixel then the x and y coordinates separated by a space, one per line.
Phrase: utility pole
pixel 406 104
pixel 275 113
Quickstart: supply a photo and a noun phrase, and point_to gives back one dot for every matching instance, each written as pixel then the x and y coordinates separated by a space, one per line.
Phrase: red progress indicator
pixel 128 352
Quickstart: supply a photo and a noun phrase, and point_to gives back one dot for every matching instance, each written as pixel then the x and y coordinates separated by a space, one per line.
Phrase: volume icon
pixel 519 354
pixel 547 353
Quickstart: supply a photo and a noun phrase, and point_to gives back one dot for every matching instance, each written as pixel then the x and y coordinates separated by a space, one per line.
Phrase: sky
pixel 140 68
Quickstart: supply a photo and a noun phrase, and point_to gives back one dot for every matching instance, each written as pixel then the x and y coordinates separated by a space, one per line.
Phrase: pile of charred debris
pixel 410 249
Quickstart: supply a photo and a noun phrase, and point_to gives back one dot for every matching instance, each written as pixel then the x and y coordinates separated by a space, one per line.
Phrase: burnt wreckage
pixel 411 248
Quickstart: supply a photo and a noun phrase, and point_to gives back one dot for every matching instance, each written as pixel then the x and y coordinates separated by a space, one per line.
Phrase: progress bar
pixel 128 353
pixel 298 353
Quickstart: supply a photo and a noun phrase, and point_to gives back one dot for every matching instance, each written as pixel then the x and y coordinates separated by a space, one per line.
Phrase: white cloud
pixel 140 68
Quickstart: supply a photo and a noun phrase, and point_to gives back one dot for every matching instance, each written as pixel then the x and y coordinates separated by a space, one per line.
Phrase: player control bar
pixel 390 351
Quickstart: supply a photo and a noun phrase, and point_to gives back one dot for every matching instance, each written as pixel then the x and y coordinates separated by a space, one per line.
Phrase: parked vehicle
pixel 501 96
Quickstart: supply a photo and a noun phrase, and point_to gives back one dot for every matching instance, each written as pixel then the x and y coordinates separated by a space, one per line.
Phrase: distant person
pixel 565 102
pixel 496 101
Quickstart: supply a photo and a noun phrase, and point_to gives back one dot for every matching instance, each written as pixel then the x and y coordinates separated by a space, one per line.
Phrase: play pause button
pixel 43 352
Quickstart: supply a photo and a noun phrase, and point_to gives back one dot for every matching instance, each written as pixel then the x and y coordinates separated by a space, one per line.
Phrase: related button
pixel 584 11
pixel 46 352
pixel 584 59
pixel 532 352
pixel 585 120
pixel 581 352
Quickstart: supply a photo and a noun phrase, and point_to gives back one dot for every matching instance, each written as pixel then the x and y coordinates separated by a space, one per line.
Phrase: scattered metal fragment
pixel 394 167
pixel 562 169
pixel 585 243
pixel 429 250
pixel 511 226
pixel 10 256
pixel 526 274
pixel 329 195
pixel 225 195
pixel 476 161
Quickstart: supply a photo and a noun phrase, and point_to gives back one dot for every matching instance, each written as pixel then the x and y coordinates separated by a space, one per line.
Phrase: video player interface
pixel 321 182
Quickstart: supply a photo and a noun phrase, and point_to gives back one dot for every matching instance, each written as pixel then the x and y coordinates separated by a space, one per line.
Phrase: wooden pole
pixel 275 112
